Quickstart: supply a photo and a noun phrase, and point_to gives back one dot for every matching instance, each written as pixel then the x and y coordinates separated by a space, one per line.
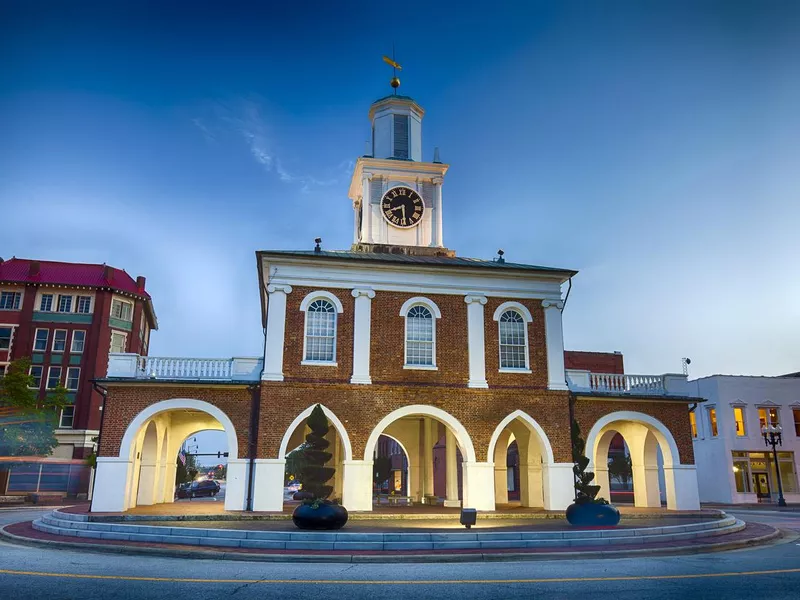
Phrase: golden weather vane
pixel 395 83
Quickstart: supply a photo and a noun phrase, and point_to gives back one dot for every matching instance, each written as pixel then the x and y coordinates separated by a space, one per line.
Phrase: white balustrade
pixel 158 367
pixel 628 384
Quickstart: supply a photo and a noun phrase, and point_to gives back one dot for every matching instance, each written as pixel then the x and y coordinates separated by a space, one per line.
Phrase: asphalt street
pixel 771 571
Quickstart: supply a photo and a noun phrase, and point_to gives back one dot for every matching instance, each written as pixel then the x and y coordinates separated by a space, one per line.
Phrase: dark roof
pixel 435 261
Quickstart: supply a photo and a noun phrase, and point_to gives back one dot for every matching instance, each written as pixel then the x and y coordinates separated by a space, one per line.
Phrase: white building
pixel 734 465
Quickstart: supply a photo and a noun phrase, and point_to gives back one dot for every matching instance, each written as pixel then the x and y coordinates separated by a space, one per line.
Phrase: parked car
pixel 209 487
pixel 183 490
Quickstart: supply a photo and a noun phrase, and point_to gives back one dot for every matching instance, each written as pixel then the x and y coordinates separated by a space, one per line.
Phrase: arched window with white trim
pixel 420 342
pixel 512 321
pixel 320 344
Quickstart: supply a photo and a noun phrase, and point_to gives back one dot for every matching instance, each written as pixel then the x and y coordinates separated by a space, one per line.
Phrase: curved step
pixel 297 540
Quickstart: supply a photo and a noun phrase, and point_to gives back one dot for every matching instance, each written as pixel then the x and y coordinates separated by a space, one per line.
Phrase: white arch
pixel 547 449
pixel 520 308
pixel 460 432
pixel 321 294
pixel 669 448
pixel 430 304
pixel 348 448
pixel 179 404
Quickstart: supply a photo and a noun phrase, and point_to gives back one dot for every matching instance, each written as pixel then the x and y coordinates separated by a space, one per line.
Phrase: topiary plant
pixel 585 493
pixel 313 473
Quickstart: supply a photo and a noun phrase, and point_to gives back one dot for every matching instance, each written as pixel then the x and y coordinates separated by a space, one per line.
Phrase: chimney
pixel 34 268
pixel 108 273
pixel 140 284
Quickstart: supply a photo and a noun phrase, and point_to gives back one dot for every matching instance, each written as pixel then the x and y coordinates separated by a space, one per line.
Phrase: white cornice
pixel 408 170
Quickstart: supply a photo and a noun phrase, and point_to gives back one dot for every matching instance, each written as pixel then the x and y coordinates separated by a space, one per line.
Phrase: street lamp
pixel 772 437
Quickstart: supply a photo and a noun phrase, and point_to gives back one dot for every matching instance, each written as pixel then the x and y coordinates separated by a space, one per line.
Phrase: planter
pixel 325 516
pixel 592 515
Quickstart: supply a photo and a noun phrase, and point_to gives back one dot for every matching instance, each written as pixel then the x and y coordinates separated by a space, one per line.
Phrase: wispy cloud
pixel 245 118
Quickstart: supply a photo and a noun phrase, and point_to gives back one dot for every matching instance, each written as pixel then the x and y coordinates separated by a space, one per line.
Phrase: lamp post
pixel 773 437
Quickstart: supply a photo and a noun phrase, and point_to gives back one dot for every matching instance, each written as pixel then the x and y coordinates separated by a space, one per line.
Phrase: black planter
pixel 324 516
pixel 592 515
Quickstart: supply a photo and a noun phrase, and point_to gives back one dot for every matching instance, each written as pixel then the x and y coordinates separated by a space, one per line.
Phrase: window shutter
pixel 375 190
pixel 400 136
pixel 427 194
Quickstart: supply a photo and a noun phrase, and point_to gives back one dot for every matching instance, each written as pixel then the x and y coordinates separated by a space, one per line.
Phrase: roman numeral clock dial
pixel 402 207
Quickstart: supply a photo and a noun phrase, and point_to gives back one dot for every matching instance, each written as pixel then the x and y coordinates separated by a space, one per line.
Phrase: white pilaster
pixel 500 483
pixel 682 490
pixel 451 469
pixel 601 479
pixel 276 331
pixel 146 495
pixel 427 458
pixel 477 348
pixel 356 211
pixel 436 225
pixel 111 484
pixel 357 494
pixel 361 335
pixel 268 485
pixel 478 485
pixel 366 209
pixel 558 482
pixel 530 485
pixel 236 484
pixel 645 486
pixel 554 335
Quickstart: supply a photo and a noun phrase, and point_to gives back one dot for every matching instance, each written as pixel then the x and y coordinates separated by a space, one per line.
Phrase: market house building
pixel 398 337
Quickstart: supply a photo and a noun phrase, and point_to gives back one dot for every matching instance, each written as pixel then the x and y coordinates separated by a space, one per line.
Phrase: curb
pixel 395 558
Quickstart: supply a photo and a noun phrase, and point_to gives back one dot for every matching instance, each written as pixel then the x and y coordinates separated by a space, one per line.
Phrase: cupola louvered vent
pixel 400 136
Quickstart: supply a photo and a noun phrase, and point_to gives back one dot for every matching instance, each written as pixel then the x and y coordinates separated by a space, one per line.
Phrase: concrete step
pixel 302 540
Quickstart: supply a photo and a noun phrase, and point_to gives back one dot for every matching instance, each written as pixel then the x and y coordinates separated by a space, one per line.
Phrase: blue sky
pixel 651 145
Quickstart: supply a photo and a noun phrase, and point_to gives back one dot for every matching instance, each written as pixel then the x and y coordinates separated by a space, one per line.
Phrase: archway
pixel 391 468
pixel 143 473
pixel 535 454
pixel 418 428
pixel 654 456
pixel 340 448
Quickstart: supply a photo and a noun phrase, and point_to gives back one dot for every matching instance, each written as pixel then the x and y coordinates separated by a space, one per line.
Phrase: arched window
pixel 420 339
pixel 513 341
pixel 320 331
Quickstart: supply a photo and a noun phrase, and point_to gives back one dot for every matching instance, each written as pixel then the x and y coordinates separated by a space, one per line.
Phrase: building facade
pixel 399 337
pixel 66 318
pixel 734 464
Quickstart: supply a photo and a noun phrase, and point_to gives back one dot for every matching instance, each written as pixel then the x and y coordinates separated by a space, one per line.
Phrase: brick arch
pixel 337 424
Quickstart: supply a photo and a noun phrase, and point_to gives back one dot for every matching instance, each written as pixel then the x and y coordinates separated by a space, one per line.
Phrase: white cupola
pixel 396 128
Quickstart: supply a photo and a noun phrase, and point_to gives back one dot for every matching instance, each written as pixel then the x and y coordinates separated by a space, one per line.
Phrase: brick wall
pixel 125 402
pixel 596 362
pixel 537 347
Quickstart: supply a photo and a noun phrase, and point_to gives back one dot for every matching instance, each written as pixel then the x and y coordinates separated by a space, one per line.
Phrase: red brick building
pixel 400 337
pixel 67 317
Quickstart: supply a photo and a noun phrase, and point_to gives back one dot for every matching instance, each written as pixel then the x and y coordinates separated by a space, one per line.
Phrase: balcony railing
pixel 613 383
pixel 133 366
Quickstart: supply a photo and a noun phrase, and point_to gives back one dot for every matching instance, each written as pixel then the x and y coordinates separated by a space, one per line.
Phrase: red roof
pixel 21 270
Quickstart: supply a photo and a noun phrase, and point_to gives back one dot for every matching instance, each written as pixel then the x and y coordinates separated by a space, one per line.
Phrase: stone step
pixel 287 540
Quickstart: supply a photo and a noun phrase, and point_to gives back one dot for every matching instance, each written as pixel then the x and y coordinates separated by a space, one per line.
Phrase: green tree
pixel 186 473
pixel 295 461
pixel 585 492
pixel 620 468
pixel 27 428
pixel 314 474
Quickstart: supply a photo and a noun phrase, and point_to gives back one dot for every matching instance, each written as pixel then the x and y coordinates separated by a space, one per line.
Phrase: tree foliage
pixel 295 461
pixel 27 423
pixel 314 474
pixel 620 468
pixel 585 492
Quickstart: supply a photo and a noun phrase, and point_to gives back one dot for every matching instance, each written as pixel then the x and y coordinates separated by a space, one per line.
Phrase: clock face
pixel 402 207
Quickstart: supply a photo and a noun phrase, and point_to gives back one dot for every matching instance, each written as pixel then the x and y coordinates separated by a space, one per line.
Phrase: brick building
pixel 67 317
pixel 399 337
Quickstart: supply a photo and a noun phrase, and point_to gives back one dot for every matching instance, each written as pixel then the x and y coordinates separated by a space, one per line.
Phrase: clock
pixel 402 207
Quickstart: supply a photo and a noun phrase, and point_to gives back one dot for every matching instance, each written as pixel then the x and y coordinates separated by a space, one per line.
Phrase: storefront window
pixel 693 423
pixel 741 473
pixel 788 478
pixel 738 416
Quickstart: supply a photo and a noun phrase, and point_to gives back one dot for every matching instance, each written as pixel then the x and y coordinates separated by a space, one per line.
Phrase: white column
pixel 558 482
pixel 146 495
pixel 500 483
pixel 111 485
pixel 477 349
pixel 682 490
pixel 530 485
pixel 361 335
pixel 357 494
pixel 555 344
pixel 436 225
pixel 478 485
pixel 427 457
pixel 356 210
pixel 366 211
pixel 451 469
pixel 236 484
pixel 268 485
pixel 276 330
pixel 601 479
pixel 645 486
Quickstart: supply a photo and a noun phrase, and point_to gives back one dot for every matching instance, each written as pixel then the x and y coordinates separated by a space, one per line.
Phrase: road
pixel 771 571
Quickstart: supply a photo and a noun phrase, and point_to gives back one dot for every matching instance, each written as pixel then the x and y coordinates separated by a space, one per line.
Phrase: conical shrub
pixel 314 474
